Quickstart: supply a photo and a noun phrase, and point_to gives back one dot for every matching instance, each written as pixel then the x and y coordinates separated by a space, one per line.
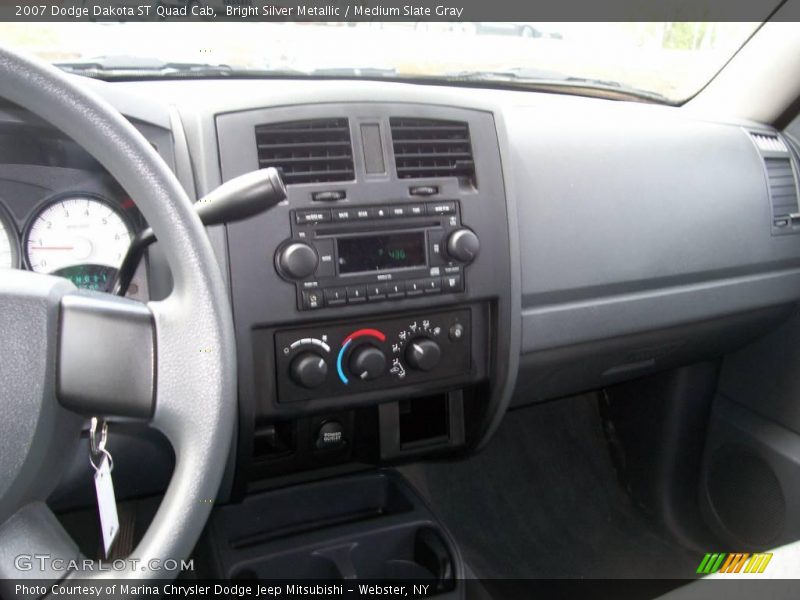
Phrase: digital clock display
pixel 366 253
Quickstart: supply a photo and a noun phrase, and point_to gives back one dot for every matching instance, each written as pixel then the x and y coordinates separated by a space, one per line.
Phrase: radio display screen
pixel 381 252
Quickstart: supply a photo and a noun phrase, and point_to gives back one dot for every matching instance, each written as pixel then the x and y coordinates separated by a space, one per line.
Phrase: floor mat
pixel 543 501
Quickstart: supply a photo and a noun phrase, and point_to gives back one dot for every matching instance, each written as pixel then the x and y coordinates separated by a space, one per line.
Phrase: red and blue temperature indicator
pixel 373 333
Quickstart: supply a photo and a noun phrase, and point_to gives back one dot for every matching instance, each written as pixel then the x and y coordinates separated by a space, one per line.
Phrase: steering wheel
pixel 66 353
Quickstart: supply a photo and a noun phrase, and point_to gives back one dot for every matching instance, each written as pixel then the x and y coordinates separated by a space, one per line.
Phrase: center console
pixel 373 306
pixel 370 527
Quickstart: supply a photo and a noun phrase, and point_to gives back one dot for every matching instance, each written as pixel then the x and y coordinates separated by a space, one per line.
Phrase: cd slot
pixel 325 230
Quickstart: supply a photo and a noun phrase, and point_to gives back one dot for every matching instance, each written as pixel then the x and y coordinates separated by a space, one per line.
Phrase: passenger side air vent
pixel 782 186
pixel 312 151
pixel 781 181
pixel 432 148
pixel 769 143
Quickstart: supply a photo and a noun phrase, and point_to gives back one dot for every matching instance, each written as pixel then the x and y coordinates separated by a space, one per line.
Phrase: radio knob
pixel 367 362
pixel 463 245
pixel 308 370
pixel 297 260
pixel 423 354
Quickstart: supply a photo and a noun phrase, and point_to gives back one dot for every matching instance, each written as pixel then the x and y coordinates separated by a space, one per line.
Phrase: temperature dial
pixel 367 362
pixel 308 370
pixel 423 354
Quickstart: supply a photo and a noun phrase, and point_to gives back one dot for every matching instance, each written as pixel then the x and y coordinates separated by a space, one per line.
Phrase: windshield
pixel 670 62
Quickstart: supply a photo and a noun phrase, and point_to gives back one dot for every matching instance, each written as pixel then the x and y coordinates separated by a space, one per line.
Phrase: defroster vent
pixel 310 151
pixel 432 148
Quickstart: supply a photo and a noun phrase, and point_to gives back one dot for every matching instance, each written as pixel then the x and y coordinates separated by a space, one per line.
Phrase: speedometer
pixel 81 238
pixel 9 257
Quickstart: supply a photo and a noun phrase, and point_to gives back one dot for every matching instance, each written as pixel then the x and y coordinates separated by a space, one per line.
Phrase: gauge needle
pixel 52 247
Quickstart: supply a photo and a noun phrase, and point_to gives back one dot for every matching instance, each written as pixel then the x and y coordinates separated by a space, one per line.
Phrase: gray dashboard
pixel 630 217
pixel 639 218
pixel 635 234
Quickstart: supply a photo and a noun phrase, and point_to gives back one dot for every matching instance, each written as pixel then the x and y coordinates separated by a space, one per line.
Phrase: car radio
pixel 356 254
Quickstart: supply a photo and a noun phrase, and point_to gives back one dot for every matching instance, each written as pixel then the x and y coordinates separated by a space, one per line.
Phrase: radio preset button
pixel 416 210
pixel 362 214
pixel 356 294
pixel 376 291
pixel 415 287
pixel 312 216
pixel 395 290
pixel 335 296
pixel 433 285
pixel 398 211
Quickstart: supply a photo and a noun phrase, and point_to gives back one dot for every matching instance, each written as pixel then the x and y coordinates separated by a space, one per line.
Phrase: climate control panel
pixel 324 361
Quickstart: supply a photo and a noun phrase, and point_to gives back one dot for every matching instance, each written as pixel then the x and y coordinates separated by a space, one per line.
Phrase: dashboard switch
pixel 423 354
pixel 423 190
pixel 456 332
pixel 329 196
pixel 441 208
pixel 308 370
pixel 313 216
pixel 452 283
pixel 312 299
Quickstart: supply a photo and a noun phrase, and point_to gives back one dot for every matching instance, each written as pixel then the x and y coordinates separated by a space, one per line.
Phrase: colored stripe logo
pixel 735 562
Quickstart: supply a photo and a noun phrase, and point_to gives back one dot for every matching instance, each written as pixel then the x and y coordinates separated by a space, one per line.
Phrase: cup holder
pixel 367 528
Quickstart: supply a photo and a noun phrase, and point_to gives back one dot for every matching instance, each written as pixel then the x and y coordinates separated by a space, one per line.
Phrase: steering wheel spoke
pixel 106 356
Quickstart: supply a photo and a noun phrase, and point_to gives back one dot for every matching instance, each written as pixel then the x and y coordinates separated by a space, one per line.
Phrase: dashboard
pixel 443 254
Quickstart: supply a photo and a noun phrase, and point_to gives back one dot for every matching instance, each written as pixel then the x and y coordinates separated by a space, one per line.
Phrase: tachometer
pixel 81 238
pixel 9 256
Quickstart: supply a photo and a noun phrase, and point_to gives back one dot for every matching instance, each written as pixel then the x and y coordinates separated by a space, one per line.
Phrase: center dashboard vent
pixel 781 181
pixel 432 148
pixel 309 151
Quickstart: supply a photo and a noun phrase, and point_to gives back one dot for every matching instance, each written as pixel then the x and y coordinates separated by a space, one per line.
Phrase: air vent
pixel 769 143
pixel 781 181
pixel 782 186
pixel 432 148
pixel 312 151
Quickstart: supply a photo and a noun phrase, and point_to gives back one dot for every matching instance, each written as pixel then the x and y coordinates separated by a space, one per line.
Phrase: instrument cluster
pixel 80 236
